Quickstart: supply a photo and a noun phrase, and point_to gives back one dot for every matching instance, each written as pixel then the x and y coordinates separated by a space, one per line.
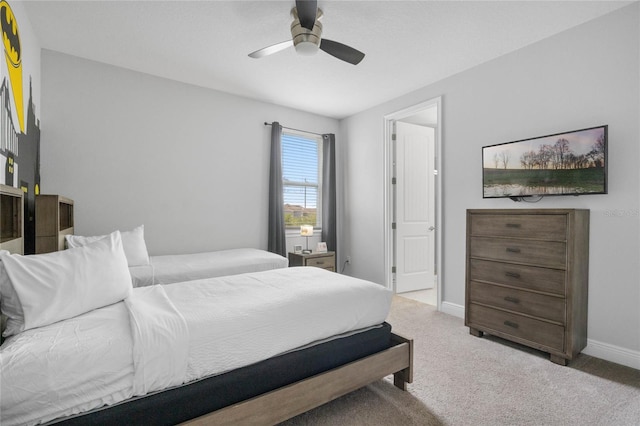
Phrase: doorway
pixel 413 235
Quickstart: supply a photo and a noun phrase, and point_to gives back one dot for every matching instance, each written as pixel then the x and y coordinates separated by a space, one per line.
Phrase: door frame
pixel 388 190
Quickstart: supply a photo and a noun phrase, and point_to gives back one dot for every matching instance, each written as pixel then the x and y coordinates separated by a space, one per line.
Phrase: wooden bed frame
pixel 289 401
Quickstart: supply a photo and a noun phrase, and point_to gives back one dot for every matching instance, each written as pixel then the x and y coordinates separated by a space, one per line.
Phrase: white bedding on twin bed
pixel 187 267
pixel 167 335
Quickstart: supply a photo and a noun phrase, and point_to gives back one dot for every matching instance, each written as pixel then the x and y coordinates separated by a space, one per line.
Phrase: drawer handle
pixel 512 299
pixel 513 225
pixel 513 250
pixel 318 262
pixel 512 274
pixel 511 324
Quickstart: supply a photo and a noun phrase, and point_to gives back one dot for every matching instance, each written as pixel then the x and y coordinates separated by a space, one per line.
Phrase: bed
pixel 170 269
pixel 249 348
pixel 167 269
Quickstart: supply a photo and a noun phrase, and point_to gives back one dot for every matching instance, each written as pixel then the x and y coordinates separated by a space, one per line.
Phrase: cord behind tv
pixel 527 199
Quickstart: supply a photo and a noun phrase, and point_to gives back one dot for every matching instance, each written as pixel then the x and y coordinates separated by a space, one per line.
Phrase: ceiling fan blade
pixel 307 10
pixel 341 51
pixel 266 51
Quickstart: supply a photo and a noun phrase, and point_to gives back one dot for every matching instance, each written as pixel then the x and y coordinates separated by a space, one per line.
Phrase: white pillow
pixel 133 242
pixel 55 286
pixel 9 303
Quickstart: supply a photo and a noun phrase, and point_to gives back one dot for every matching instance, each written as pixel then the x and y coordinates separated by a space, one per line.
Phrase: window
pixel 301 175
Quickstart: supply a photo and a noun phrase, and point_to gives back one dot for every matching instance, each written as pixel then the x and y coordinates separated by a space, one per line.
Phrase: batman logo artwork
pixel 13 56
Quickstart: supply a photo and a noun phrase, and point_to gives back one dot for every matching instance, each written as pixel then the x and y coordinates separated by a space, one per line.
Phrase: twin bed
pixel 254 347
pixel 170 269
pixel 148 270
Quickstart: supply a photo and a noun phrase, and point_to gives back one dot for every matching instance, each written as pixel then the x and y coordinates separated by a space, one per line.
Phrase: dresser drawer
pixel 528 277
pixel 326 262
pixel 539 334
pixel 543 227
pixel 543 253
pixel 540 305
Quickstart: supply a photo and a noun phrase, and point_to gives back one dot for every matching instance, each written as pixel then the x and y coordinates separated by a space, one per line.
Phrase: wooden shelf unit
pixel 527 278
pixel 54 220
pixel 11 219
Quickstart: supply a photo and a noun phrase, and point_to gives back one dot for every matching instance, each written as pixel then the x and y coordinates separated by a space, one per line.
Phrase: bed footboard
pixel 404 376
pixel 281 404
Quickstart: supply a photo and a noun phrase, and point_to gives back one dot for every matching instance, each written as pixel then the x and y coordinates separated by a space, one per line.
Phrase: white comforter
pixel 168 335
pixel 170 269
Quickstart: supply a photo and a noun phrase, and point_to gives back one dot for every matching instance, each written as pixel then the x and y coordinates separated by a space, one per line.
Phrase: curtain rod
pixel 297 130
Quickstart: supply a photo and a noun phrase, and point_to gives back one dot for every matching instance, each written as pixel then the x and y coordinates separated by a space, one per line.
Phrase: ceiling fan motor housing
pixel 305 41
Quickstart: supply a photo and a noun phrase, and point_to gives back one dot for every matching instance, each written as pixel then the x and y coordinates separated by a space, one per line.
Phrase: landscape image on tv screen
pixel 569 163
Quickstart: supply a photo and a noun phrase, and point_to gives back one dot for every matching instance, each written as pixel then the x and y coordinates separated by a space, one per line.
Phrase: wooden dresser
pixel 320 260
pixel 527 277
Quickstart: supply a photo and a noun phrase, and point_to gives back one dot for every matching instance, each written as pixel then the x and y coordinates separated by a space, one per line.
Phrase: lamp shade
pixel 306 230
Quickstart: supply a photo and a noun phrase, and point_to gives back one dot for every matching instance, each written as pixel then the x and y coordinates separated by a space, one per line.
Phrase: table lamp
pixel 306 231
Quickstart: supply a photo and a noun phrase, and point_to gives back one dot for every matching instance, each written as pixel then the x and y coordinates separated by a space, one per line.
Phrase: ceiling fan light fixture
pixel 305 41
pixel 306 48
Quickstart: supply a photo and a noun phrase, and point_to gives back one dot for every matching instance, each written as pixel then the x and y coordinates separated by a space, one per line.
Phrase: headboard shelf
pixel 11 222
pixel 54 220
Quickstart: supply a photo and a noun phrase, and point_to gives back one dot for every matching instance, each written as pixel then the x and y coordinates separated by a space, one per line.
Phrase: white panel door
pixel 415 212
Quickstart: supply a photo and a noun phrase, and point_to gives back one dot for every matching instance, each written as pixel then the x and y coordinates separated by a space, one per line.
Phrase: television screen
pixel 569 163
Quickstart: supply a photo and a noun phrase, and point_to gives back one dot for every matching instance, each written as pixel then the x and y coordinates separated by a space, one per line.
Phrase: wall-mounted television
pixel 567 163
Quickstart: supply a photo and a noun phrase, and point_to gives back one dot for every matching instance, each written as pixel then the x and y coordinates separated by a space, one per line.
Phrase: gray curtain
pixel 329 234
pixel 276 241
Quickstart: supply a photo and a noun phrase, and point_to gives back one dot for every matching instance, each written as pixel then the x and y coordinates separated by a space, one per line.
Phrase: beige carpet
pixel 464 380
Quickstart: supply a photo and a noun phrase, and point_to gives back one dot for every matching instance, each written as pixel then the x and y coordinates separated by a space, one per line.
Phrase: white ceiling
pixel 408 44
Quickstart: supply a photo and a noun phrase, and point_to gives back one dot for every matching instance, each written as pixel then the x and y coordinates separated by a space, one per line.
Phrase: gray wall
pixel 583 77
pixel 190 164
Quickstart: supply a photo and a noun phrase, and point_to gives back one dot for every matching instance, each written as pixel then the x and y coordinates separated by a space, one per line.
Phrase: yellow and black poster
pixel 19 126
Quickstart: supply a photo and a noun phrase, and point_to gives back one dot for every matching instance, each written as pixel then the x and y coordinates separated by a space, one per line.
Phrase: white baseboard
pixel 452 309
pixel 594 348
pixel 613 353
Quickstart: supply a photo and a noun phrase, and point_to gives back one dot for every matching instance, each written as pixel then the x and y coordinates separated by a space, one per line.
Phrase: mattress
pixel 165 336
pixel 179 404
pixel 170 269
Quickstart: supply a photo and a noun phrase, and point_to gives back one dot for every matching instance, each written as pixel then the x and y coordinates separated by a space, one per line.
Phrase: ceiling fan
pixel 306 36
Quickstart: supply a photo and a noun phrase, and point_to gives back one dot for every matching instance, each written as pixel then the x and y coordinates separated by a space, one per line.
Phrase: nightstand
pixel 319 260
